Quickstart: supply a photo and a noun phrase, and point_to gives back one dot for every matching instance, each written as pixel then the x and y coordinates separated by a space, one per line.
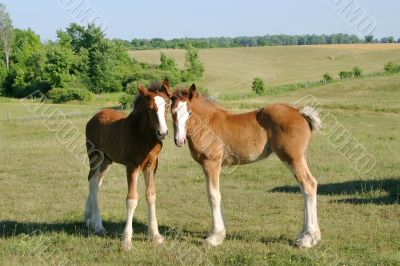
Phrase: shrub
pixel 167 63
pixel 391 67
pixel 174 77
pixel 357 72
pixel 126 100
pixel 258 86
pixel 194 67
pixel 345 74
pixel 60 95
pixel 131 88
pixel 326 78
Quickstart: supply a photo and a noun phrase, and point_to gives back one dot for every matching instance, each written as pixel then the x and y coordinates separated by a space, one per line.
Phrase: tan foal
pixel 219 138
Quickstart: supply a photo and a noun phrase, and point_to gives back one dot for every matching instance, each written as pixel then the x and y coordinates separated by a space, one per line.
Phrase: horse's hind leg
pixel 310 234
pixel 87 215
pixel 92 215
pixel 212 172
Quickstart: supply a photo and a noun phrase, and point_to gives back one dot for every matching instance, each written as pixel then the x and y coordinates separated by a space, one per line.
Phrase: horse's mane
pixel 154 87
pixel 205 99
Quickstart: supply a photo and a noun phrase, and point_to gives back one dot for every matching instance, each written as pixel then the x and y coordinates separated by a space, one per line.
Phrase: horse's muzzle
pixel 162 136
pixel 179 143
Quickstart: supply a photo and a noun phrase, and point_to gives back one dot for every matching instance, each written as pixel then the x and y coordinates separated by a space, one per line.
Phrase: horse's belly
pixel 245 155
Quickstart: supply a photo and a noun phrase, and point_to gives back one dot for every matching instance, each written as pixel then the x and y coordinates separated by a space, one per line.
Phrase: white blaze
pixel 160 102
pixel 182 115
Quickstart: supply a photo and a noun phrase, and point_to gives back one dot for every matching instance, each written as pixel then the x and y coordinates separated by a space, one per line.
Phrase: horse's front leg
pixel 212 170
pixel 149 176
pixel 131 203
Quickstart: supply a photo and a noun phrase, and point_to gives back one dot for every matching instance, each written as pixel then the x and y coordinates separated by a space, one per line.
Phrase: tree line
pixel 267 40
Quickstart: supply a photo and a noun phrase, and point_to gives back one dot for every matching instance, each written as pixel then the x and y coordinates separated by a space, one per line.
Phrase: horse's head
pixel 181 111
pixel 157 101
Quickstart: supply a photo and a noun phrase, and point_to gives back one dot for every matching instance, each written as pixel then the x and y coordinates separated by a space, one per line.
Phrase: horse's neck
pixel 204 109
pixel 139 120
pixel 201 119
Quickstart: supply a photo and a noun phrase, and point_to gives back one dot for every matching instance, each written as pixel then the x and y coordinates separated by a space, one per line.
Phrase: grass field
pixel 43 186
pixel 233 69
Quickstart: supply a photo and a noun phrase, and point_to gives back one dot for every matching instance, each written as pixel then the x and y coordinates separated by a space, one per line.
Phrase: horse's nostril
pixel 162 134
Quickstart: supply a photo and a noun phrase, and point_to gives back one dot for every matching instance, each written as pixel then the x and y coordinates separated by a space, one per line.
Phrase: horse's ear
pixel 167 88
pixel 192 91
pixel 142 89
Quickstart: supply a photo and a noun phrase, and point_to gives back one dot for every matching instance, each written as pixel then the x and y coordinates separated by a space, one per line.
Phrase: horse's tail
pixel 312 117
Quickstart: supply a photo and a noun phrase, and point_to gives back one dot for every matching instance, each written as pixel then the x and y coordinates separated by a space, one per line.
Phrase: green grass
pixel 231 70
pixel 106 99
pixel 43 188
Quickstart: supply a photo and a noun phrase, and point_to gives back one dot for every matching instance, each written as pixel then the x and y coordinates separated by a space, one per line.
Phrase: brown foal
pixel 134 141
pixel 217 138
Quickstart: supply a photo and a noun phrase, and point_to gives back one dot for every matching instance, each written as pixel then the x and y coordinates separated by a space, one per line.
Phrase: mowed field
pixel 233 69
pixel 43 184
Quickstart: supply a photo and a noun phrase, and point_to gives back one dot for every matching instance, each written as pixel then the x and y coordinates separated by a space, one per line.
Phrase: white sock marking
pixel 151 218
pixel 130 209
pixel 215 201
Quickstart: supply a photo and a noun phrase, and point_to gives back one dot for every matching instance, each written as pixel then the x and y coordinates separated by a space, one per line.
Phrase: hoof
pixel 87 223
pixel 307 239
pixel 126 245
pixel 215 239
pixel 158 239
pixel 100 231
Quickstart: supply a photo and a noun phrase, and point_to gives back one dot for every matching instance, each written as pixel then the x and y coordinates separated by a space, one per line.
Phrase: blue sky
pixel 179 18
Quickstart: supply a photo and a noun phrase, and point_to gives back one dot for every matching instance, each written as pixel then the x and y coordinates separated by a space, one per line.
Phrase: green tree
pixel 6 33
pixel 167 63
pixel 64 39
pixel 26 42
pixel 369 38
pixel 25 73
pixel 97 59
pixel 102 68
pixel 171 72
pixel 75 32
pixel 57 66
pixel 258 86
pixel 194 67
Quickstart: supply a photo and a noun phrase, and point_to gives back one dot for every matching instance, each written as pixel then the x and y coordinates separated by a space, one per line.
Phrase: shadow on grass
pixel 378 191
pixel 9 229
pixel 282 239
pixel 114 229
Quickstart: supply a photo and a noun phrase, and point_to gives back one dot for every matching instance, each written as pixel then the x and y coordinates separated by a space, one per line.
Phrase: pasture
pixel 43 185
pixel 231 70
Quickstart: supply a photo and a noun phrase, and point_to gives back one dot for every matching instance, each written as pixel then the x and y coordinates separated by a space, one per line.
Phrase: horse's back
pixel 108 116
